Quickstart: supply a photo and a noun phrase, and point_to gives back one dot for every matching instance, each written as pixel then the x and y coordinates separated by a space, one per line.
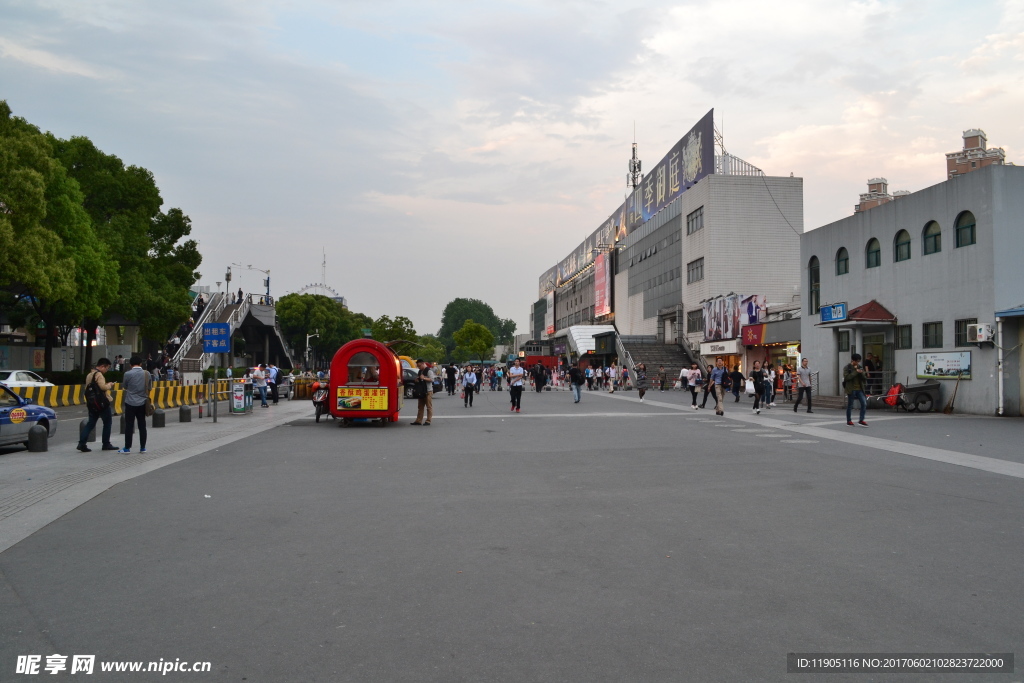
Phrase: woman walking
pixel 787 382
pixel 757 376
pixel 693 381
pixel 468 386
pixel 641 379
pixel 709 388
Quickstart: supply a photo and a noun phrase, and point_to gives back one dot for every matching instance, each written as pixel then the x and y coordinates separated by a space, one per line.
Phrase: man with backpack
pixel 854 382
pixel 97 401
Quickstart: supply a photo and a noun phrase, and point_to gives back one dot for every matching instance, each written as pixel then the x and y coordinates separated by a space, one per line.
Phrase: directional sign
pixel 833 313
pixel 216 338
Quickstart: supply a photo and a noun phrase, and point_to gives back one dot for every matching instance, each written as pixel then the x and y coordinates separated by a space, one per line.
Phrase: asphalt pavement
pixel 603 541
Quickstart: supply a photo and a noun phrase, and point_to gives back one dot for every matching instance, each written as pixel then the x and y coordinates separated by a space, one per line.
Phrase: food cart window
pixel 363 368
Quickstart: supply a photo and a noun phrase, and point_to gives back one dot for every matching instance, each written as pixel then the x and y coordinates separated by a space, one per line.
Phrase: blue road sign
pixel 833 313
pixel 216 338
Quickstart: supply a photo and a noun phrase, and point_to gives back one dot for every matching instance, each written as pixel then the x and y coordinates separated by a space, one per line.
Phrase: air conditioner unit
pixel 982 332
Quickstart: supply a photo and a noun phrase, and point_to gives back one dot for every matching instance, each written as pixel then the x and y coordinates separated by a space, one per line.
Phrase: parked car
pixel 409 376
pixel 22 378
pixel 18 415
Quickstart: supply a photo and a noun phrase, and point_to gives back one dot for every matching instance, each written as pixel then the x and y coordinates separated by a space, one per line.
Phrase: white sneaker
pixel 773 405
pixel 758 411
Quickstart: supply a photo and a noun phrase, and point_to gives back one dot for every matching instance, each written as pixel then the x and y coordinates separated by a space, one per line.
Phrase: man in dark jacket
pixel 854 382
pixel 575 380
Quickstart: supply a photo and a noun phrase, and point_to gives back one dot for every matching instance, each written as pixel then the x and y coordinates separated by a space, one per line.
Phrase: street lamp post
pixel 308 337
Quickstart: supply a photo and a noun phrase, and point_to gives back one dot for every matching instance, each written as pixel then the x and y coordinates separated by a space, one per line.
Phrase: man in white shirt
pixel 259 382
pixel 516 374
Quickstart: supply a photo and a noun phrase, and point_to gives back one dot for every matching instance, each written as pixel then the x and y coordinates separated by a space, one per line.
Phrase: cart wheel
pixel 923 403
pixel 318 412
pixel 408 392
pixel 381 422
pixel 343 422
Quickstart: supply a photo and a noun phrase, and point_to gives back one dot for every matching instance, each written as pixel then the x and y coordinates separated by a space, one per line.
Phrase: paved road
pixel 604 541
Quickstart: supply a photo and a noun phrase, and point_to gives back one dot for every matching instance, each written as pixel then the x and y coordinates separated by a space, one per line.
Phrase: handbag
pixel 750 387
pixel 148 406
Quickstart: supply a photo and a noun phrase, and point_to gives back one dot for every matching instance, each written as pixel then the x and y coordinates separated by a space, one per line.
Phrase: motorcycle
pixel 320 399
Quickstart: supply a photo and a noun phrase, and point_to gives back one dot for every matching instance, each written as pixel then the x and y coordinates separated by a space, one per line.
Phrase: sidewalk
pixel 38 488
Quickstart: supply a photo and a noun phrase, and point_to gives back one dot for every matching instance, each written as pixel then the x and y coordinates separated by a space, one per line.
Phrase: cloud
pixel 49 61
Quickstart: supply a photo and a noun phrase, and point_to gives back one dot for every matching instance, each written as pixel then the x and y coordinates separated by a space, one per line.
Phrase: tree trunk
pixel 90 337
pixel 48 363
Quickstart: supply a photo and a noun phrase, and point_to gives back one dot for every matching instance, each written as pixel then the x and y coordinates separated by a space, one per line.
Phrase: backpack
pixel 95 400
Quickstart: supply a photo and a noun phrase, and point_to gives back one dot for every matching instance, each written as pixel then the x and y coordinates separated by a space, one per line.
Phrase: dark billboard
pixel 689 160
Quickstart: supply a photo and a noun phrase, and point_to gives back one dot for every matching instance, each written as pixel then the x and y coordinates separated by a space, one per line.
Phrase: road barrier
pixel 164 394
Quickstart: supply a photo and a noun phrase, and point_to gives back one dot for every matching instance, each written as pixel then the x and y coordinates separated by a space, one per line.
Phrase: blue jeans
pixel 104 416
pixel 263 395
pixel 576 392
pixel 859 396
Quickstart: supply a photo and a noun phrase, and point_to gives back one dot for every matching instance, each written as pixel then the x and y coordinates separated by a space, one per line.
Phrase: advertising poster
pixel 602 287
pixel 362 398
pixel 946 365
pixel 726 316
pixel 549 315
pixel 38 359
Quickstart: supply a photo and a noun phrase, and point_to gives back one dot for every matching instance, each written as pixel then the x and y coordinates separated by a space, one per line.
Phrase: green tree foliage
pixel 50 255
pixel 458 311
pixel 473 341
pixel 302 314
pixel 387 329
pixel 431 349
pixel 156 267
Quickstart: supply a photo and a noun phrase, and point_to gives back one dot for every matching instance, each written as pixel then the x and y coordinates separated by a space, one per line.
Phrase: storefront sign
pixel 602 286
pixel 793 350
pixel 753 335
pixel 833 313
pixel 359 398
pixel 948 365
pixel 559 349
pixel 720 348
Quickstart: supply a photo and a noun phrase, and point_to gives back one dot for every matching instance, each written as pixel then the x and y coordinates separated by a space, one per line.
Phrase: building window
pixel 695 321
pixel 842 261
pixel 932 338
pixel 960 331
pixel 695 271
pixel 965 231
pixel 814 282
pixel 695 221
pixel 844 341
pixel 932 238
pixel 873 253
pixel 904 337
pixel 901 246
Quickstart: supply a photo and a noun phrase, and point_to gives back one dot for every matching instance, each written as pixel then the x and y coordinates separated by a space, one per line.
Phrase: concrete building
pixel 974 155
pixel 906 280
pixel 877 194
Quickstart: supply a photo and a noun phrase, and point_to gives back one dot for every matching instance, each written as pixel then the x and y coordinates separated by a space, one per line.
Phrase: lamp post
pixel 308 337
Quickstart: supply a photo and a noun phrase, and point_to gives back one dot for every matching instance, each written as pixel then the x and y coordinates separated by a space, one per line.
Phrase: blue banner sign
pixel 216 338
pixel 834 313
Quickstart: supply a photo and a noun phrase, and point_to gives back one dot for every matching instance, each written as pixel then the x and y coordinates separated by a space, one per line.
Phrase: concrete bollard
pixel 38 440
pixel 184 414
pixel 159 419
pixel 92 433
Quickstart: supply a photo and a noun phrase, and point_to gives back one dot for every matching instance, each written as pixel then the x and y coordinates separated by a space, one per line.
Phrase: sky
pixel 435 149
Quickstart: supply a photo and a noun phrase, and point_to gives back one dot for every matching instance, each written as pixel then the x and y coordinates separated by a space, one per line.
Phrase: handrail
pixel 214 308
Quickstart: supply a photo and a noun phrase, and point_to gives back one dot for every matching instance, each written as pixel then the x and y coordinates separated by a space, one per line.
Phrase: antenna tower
pixel 635 175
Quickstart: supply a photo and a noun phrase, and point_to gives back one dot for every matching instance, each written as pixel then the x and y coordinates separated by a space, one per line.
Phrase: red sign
pixel 752 335
pixel 602 303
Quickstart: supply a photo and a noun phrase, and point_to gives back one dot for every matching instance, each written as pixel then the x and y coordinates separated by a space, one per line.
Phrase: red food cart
pixel 366 383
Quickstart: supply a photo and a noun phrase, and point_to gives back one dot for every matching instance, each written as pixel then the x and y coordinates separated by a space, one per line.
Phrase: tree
pixel 473 342
pixel 51 257
pixel 459 310
pixel 156 268
pixel 431 349
pixel 302 314
pixel 386 329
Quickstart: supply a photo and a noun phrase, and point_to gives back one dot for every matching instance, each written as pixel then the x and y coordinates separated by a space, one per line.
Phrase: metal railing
pixel 210 313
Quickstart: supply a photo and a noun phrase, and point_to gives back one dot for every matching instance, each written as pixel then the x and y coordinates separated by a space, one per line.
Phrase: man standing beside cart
pixel 424 393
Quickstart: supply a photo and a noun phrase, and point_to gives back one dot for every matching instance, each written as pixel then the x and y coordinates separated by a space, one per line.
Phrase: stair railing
pixel 210 313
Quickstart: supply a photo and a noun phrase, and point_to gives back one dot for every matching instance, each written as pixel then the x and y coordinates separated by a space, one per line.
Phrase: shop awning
pixel 871 313
pixel 1011 313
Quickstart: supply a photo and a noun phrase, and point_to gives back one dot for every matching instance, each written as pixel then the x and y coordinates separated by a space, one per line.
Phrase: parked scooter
pixel 320 399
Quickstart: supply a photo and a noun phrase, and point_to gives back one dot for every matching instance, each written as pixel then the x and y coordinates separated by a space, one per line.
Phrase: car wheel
pixel 318 412
pixel 923 403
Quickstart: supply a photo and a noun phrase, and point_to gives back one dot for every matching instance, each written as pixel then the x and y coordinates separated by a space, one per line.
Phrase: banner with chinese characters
pixel 549 314
pixel 689 160
pixel 216 338
pixel 602 286
pixel 362 398
pixel 947 365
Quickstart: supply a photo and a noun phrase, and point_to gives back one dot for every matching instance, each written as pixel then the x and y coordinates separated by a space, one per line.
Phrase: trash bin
pixel 241 397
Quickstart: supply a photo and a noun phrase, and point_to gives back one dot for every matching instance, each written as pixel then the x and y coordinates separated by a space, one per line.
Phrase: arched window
pixel 965 232
pixel 873 253
pixel 932 238
pixel 901 246
pixel 814 282
pixel 842 261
